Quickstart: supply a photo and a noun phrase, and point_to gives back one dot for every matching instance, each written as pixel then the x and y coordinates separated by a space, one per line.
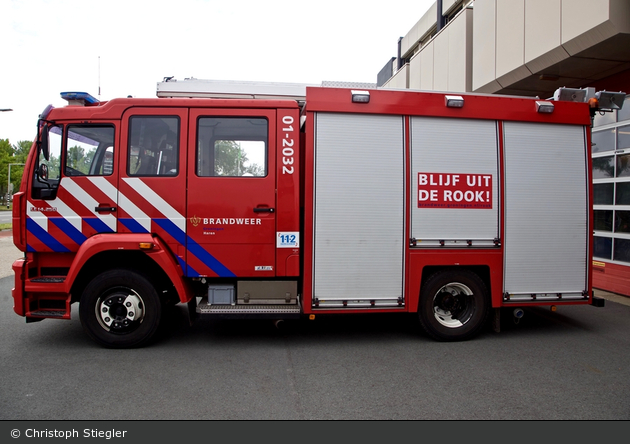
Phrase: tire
pixel 120 309
pixel 454 305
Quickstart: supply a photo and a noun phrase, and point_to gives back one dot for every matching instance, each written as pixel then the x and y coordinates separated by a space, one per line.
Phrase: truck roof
pixel 194 93
pixel 231 89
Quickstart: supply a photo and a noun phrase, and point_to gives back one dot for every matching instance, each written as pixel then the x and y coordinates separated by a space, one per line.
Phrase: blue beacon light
pixel 77 97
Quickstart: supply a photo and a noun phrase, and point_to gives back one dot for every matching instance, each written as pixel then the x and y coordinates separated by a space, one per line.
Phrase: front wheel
pixel 120 309
pixel 454 305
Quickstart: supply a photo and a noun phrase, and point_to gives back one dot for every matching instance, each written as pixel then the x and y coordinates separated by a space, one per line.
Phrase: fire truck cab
pixel 296 201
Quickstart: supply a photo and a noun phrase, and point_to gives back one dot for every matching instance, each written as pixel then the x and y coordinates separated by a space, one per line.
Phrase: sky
pixel 126 47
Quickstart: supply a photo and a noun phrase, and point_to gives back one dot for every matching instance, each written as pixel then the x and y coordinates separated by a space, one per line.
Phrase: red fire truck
pixel 247 200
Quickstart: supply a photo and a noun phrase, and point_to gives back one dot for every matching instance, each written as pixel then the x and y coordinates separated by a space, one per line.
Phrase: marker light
pixel 44 115
pixel 360 96
pixel 78 98
pixel 454 101
pixel 145 245
pixel 543 106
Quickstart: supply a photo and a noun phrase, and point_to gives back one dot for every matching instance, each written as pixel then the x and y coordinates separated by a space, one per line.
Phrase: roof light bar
pixel 454 101
pixel 544 107
pixel 360 96
pixel 79 98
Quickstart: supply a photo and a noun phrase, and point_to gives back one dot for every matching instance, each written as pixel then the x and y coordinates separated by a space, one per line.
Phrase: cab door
pixel 78 199
pixel 231 218
pixel 152 183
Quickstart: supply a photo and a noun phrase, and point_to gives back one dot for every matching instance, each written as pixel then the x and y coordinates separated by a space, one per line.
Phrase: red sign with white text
pixel 447 190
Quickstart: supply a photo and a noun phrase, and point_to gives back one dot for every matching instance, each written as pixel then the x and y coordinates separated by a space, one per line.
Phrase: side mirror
pixel 44 145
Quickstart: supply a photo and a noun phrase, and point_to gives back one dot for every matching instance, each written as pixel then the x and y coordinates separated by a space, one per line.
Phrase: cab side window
pixel 54 159
pixel 232 147
pixel 48 174
pixel 153 146
pixel 89 150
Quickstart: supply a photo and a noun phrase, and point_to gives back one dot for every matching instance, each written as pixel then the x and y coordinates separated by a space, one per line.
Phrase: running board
pixel 271 311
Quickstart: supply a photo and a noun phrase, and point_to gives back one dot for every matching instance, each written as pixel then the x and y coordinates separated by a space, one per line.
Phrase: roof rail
pixel 228 89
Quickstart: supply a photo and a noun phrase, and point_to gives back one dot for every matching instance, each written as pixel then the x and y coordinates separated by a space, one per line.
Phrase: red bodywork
pixel 258 217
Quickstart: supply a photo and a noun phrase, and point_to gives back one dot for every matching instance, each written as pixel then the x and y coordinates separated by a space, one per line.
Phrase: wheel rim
pixel 120 310
pixel 453 305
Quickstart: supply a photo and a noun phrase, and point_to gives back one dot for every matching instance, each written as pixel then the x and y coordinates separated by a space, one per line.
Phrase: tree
pixel 230 159
pixel 21 150
pixel 78 160
pixel 12 154
pixel 20 154
pixel 6 157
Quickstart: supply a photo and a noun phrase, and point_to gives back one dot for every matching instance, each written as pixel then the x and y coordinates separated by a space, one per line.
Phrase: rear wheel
pixel 120 309
pixel 454 305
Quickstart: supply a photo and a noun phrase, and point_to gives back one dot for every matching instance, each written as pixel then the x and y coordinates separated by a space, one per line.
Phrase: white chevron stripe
pixel 105 186
pixel 158 203
pixel 37 216
pixel 87 201
pixel 123 202
pixel 136 213
pixel 67 213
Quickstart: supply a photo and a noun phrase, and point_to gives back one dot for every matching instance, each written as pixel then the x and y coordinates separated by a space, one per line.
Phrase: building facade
pixel 611 200
pixel 531 48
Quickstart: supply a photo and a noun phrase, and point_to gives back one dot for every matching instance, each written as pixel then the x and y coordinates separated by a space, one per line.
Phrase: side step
pixel 49 280
pixel 271 311
pixel 40 315
pixel 50 307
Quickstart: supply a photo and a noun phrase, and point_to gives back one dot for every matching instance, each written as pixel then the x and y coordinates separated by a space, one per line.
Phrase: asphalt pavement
pixel 8 253
pixel 5 217
pixel 564 365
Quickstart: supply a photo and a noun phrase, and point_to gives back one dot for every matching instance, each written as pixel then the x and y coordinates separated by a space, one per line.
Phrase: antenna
pixel 99 78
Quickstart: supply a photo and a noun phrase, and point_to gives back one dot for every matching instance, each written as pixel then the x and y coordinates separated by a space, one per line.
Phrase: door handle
pixel 263 210
pixel 104 209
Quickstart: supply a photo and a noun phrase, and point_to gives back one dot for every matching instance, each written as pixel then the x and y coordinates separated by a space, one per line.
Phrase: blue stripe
pixel 69 230
pixel 173 230
pixel 98 225
pixel 190 272
pixel 133 226
pixel 209 260
pixel 193 247
pixel 44 236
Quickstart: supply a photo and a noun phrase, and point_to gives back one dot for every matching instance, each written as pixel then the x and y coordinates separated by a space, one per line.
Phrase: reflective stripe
pixel 36 216
pixel 133 225
pixel 105 186
pixel 44 237
pixel 158 203
pixel 71 224
pixel 69 230
pixel 68 214
pixel 88 202
pixel 209 260
pixel 136 213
